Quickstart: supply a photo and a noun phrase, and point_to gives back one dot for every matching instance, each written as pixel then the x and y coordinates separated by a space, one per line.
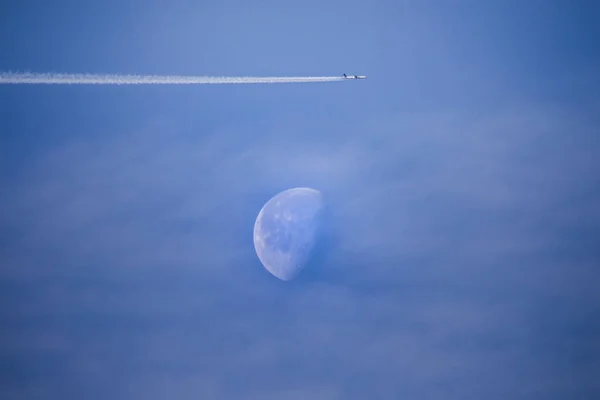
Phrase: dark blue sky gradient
pixel 461 180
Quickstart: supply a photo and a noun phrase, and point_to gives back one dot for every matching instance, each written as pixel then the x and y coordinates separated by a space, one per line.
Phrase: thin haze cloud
pixel 461 180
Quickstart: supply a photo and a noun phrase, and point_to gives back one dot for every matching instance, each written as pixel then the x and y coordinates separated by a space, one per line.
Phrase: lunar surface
pixel 286 230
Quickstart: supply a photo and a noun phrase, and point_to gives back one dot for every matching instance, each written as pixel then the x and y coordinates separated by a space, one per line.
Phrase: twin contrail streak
pixel 93 79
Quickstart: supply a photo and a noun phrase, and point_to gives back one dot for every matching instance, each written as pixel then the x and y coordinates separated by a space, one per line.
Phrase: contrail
pixel 94 79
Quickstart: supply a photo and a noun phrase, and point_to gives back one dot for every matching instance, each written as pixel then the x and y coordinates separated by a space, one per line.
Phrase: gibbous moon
pixel 286 230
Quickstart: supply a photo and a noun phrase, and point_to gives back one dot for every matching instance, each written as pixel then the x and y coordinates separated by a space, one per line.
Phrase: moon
pixel 286 230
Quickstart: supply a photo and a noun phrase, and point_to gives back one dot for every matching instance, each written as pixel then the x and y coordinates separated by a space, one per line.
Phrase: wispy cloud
pixel 133 253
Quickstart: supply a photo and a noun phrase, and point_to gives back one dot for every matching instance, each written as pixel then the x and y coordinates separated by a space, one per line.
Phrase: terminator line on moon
pixel 286 230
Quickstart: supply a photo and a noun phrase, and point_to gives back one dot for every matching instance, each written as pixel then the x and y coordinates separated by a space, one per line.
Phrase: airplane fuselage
pixel 354 76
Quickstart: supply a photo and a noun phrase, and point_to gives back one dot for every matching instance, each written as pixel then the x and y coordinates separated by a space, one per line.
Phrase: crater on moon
pixel 286 231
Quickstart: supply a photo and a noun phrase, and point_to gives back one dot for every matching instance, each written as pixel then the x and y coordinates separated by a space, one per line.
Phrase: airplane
pixel 354 76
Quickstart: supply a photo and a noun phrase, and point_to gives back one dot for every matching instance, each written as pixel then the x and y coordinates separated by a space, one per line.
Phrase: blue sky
pixel 461 180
